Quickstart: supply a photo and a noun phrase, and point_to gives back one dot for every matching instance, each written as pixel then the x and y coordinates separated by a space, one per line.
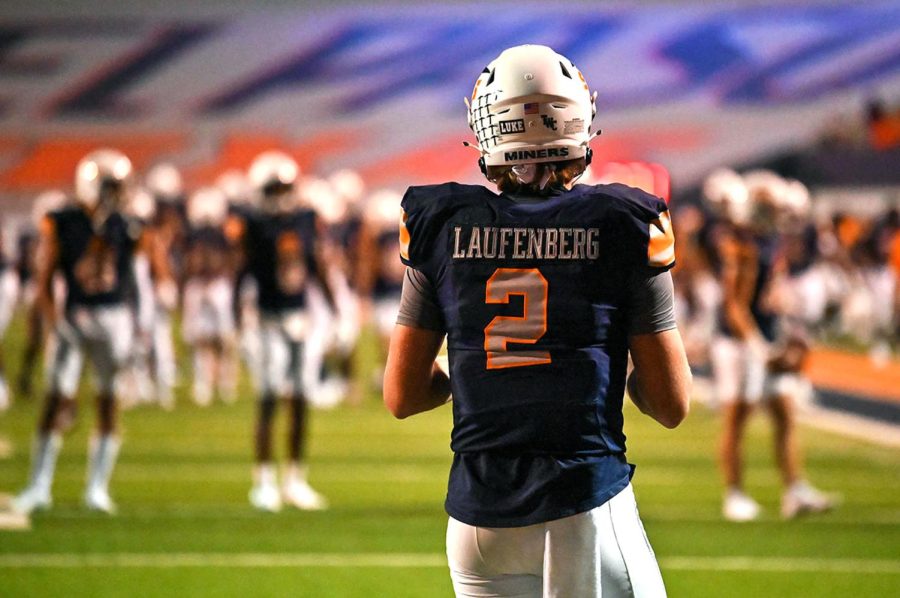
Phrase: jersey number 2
pixel 526 329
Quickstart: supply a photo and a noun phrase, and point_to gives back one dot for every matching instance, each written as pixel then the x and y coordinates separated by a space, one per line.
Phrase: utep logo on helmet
pixel 508 127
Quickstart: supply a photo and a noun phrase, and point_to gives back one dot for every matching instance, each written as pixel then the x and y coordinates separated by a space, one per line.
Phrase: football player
pixel 379 274
pixel 169 231
pixel 752 360
pixel 208 320
pixel 542 290
pixel 9 291
pixel 282 247
pixel 92 245
pixel 26 265
pixel 234 184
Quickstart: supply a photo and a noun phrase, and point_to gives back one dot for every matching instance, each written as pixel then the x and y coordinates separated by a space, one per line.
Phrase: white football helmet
pixel 383 209
pixel 349 185
pixel 273 176
pixel 321 196
pixel 725 193
pixel 164 182
pixel 796 199
pixel 102 175
pixel 207 206
pixel 234 184
pixel 141 204
pixel 531 105
pixel 45 203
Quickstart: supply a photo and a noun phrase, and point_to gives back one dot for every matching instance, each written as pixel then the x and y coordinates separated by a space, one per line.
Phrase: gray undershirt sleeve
pixel 652 300
pixel 419 306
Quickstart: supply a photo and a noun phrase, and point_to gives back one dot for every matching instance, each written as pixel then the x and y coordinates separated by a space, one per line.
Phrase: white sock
pixel 102 453
pixel 264 475
pixel 296 473
pixel 43 465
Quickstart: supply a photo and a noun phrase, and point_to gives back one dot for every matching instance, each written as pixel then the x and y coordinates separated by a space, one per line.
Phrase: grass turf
pixel 182 482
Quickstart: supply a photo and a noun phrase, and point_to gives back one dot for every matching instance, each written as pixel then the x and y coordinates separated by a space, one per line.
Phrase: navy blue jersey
pixel 389 278
pixel 767 249
pixel 281 257
pixel 207 252
pixel 96 265
pixel 535 300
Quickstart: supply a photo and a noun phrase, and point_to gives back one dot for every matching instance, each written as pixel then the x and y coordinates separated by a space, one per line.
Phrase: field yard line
pixel 781 564
pixel 216 512
pixel 415 560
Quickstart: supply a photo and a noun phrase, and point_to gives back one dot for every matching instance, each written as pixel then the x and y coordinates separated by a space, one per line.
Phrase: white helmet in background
pixel 531 105
pixel 46 202
pixel 767 191
pixel 101 176
pixel 725 192
pixel 383 209
pixel 349 185
pixel 234 184
pixel 796 200
pixel 141 204
pixel 273 176
pixel 207 206
pixel 164 182
pixel 322 197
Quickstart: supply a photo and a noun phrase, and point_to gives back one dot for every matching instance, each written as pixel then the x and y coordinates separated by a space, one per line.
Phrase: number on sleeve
pixel 525 329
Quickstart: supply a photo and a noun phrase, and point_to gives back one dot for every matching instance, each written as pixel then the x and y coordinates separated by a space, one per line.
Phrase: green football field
pixel 185 527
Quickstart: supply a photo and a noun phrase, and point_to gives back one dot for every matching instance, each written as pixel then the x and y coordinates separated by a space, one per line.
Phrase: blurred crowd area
pixel 877 127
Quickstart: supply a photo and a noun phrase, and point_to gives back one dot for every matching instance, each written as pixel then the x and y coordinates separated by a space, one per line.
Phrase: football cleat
pixel 98 499
pixel 30 500
pixel 300 494
pixel 265 497
pixel 802 498
pixel 739 507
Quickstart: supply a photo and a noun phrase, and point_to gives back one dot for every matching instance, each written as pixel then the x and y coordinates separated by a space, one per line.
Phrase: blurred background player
pixel 379 274
pixel 282 247
pixel 208 316
pixel 9 290
pixel 92 244
pixel 170 228
pixel 26 264
pixel 241 200
pixel 753 355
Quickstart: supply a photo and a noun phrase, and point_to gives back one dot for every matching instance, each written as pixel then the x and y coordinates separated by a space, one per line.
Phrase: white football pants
pixel 601 552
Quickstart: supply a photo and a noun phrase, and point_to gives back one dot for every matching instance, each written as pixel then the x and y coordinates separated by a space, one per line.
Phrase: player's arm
pixel 155 250
pixel 46 259
pixel 660 383
pixel 413 382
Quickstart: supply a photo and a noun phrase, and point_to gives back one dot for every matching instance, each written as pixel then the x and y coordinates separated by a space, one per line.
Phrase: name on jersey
pixel 523 243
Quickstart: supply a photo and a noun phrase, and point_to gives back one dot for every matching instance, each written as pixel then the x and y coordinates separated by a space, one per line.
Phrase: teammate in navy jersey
pixel 542 291
pixel 281 245
pixel 92 245
pixel 208 319
pixel 756 357
pixel 26 263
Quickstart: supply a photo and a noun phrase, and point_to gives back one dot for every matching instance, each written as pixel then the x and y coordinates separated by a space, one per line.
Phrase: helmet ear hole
pixel 588 156
pixel 482 166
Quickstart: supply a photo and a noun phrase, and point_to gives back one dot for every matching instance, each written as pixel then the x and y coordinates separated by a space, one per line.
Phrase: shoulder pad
pixel 648 216
pixel 425 209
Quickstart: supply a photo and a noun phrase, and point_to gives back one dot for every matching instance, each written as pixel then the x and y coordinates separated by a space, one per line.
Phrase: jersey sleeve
pixel 650 224
pixel 415 242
